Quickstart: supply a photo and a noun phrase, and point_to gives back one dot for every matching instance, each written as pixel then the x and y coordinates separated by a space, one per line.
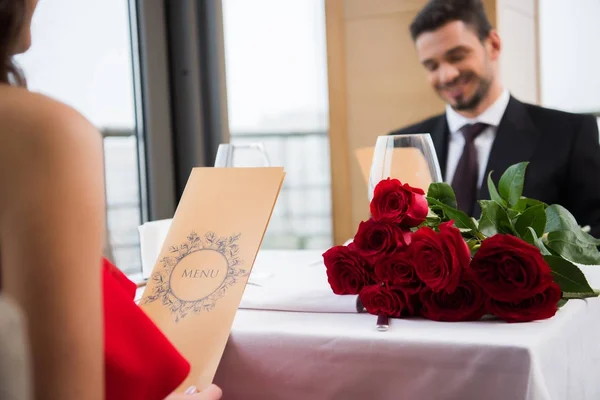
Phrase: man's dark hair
pixel 438 13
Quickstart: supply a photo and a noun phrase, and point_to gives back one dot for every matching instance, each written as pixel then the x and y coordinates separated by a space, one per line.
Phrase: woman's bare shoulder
pixel 35 114
pixel 34 125
pixel 44 144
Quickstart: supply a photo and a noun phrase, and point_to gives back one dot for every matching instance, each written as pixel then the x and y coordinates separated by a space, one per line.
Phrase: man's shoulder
pixel 549 116
pixel 424 126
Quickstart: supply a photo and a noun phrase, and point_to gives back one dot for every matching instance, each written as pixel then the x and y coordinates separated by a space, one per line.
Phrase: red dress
pixel 140 362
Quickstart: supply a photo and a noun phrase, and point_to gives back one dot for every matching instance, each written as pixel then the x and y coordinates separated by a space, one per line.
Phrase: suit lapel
pixel 516 139
pixel 439 136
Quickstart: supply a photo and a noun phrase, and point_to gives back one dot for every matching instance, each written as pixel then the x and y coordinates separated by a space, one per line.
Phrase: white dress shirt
pixel 483 142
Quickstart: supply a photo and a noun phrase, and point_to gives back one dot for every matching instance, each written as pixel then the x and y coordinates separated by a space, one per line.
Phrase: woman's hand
pixel 213 392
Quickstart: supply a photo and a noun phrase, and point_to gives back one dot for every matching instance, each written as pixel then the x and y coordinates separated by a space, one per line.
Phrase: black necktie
pixel 466 175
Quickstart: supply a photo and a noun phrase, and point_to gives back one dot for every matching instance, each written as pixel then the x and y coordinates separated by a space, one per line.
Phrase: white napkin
pixel 284 280
pixel 293 280
pixel 152 237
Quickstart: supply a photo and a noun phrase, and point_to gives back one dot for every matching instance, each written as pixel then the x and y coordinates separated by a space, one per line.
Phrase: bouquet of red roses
pixel 418 255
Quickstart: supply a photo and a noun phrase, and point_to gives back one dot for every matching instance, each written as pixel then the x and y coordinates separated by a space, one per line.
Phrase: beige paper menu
pixel 202 270
pixel 409 165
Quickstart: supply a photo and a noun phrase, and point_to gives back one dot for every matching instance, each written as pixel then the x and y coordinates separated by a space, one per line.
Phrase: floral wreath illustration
pixel 163 291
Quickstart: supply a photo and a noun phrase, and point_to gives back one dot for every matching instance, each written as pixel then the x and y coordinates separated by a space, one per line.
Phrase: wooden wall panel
pixel 386 89
pixel 370 8
pixel 376 85
pixel 338 124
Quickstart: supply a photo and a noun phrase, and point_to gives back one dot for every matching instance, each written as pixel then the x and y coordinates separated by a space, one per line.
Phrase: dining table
pixel 293 339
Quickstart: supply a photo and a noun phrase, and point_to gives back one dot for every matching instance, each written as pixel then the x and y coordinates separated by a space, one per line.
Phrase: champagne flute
pixel 410 159
pixel 231 155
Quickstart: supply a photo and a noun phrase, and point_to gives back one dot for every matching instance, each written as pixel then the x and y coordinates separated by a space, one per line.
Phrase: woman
pixel 51 233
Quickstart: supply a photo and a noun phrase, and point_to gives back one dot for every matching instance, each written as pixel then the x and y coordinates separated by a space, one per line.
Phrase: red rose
pixel 440 257
pixel 509 269
pixel 378 300
pixel 399 272
pixel 540 306
pixel 398 203
pixel 377 239
pixel 347 271
pixel 466 303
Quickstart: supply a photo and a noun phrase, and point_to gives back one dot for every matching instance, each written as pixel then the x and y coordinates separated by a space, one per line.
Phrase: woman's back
pixel 51 226
pixel 82 321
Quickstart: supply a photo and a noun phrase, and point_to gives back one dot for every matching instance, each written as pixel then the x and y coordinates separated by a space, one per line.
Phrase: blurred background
pixel 312 80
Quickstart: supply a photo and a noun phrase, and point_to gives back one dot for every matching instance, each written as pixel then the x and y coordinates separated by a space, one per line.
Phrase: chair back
pixel 15 373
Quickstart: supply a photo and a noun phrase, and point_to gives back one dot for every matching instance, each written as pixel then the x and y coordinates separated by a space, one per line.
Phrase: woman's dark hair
pixel 12 17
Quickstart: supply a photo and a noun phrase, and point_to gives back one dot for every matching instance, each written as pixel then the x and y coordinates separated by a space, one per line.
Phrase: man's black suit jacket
pixel 562 148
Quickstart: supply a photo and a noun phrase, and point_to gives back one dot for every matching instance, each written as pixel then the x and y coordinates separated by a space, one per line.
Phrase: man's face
pixel 460 66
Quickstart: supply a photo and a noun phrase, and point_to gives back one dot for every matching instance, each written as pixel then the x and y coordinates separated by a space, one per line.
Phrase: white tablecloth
pixel 275 355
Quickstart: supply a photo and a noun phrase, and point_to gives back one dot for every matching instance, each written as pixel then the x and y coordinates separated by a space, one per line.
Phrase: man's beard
pixel 481 93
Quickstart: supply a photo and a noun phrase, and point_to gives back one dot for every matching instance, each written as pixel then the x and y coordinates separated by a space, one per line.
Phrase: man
pixel 485 129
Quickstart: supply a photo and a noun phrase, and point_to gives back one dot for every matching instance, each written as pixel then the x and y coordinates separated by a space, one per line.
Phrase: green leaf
pixel 443 193
pixel 432 220
pixel 532 238
pixel 473 243
pixel 461 220
pixel 561 303
pixel 512 215
pixel 494 219
pixel 494 195
pixel 511 183
pixel 568 276
pixel 559 218
pixel 431 214
pixel 533 217
pixel 436 212
pixel 567 244
pixel 569 295
pixel 525 202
